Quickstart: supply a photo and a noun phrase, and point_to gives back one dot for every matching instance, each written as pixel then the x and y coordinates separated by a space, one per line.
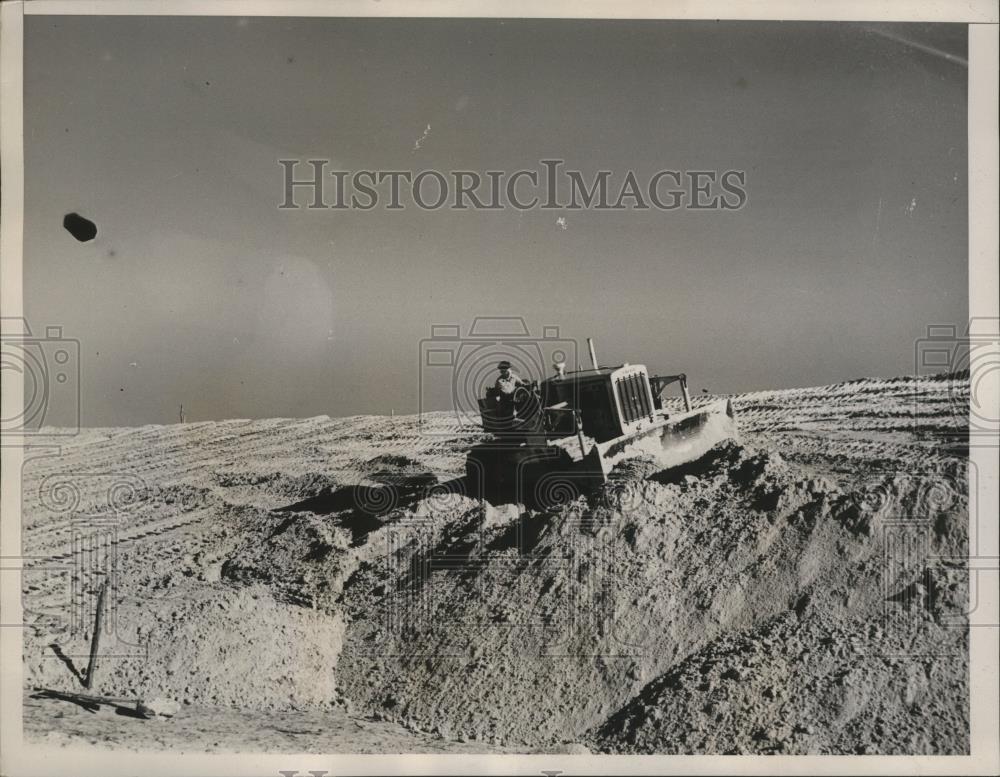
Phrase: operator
pixel 508 382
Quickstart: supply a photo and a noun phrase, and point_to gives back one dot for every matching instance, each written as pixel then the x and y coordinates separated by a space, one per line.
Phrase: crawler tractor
pixel 554 441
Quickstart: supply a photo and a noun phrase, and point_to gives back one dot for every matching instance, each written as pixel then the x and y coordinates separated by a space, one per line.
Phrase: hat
pixel 503 366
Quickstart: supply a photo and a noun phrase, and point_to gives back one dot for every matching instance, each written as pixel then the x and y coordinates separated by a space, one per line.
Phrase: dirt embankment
pixel 799 591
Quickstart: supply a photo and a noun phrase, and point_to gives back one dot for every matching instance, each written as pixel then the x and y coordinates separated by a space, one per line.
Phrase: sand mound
pixel 217 646
pixel 794 686
pixel 277 484
pixel 592 601
pixel 398 470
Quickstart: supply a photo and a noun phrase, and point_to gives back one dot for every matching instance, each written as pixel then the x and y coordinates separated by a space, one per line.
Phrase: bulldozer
pixel 554 441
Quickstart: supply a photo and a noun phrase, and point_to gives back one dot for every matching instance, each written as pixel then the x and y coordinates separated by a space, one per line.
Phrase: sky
pixel 199 290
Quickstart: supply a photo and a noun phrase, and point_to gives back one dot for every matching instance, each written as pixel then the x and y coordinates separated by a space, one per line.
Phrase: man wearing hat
pixel 508 381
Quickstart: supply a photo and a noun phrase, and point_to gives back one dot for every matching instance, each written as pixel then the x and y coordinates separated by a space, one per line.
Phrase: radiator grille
pixel 633 397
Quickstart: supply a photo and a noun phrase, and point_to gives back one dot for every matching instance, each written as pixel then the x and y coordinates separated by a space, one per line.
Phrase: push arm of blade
pixel 659 382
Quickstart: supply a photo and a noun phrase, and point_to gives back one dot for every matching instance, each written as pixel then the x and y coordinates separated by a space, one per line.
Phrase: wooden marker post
pixel 95 639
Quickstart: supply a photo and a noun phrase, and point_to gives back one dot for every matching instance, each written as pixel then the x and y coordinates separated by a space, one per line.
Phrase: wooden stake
pixel 95 639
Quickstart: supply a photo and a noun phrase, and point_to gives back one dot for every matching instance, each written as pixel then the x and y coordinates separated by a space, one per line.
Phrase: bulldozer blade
pixel 673 441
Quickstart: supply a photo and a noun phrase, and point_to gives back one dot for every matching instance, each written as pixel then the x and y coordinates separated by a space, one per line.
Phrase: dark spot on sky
pixel 290 60
pixel 112 252
pixel 79 227
pixel 742 83
pixel 208 83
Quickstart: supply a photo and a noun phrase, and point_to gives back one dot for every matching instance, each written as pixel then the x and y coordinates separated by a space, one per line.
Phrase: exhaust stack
pixel 593 354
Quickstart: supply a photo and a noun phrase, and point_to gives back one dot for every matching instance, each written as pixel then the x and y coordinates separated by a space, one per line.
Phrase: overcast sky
pixel 199 290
